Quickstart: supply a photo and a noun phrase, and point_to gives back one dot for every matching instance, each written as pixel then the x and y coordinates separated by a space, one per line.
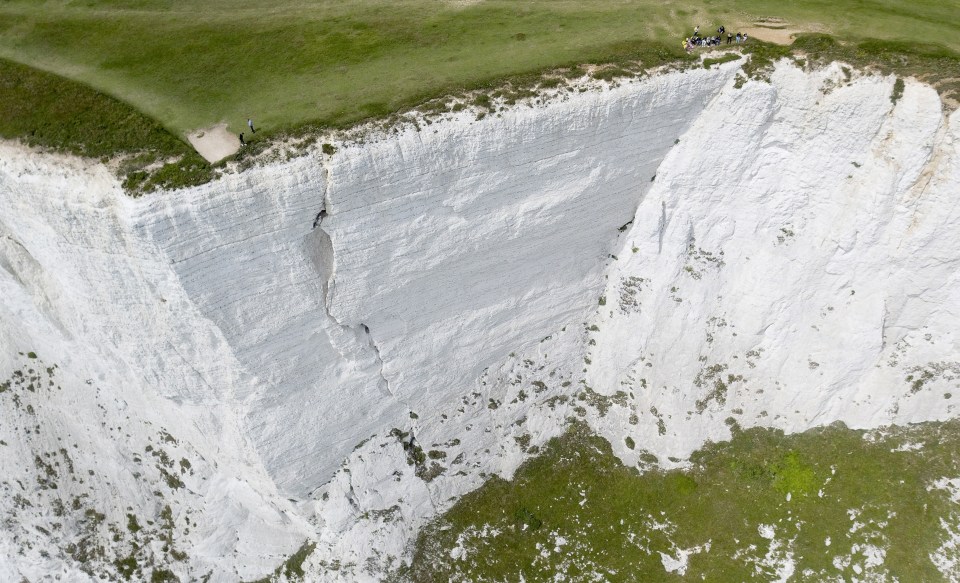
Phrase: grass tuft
pixel 292 569
pixel 726 58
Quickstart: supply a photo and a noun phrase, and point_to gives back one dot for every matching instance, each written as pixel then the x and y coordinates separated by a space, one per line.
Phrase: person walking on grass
pixel 242 142
pixel 250 123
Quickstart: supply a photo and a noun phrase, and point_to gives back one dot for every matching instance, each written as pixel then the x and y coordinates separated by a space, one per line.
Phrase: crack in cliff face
pixel 321 252
pixel 320 216
pixel 661 226
pixel 376 350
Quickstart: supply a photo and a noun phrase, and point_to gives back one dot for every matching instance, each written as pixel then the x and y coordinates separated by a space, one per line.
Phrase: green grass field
pixel 288 62
pixel 576 511
pixel 131 78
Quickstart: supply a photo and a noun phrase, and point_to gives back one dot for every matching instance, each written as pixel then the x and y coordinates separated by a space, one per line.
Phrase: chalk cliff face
pixel 675 250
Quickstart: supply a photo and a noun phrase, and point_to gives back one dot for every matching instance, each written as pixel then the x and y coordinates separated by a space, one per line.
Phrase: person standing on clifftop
pixel 696 30
pixel 250 123
pixel 242 143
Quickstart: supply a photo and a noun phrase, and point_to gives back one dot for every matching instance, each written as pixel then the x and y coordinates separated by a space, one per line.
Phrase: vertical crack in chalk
pixel 323 256
pixel 376 350
pixel 662 226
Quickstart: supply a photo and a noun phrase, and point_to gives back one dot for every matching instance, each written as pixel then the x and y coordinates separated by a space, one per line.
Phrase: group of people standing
pixel 712 41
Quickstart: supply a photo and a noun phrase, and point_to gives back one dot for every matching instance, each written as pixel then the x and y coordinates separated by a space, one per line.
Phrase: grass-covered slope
pixel 45 110
pixel 829 504
pixel 289 62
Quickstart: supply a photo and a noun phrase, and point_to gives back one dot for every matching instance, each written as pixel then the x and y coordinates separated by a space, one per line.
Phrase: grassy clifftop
pixel 288 62
pixel 132 77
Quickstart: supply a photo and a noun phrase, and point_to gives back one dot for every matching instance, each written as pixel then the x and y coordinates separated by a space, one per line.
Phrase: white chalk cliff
pixel 681 248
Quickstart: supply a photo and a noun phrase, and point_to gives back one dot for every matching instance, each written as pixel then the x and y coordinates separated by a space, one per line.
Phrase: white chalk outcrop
pixel 677 250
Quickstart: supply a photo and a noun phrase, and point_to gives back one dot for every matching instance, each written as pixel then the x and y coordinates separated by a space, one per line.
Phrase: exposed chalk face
pixel 781 253
pixel 812 221
pixel 535 195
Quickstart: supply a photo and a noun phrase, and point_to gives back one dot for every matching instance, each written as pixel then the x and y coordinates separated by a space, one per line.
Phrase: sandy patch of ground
pixel 780 36
pixel 775 30
pixel 214 143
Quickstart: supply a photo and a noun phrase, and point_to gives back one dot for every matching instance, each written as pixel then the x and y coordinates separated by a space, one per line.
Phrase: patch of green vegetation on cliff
pixel 291 569
pixel 725 58
pixel 829 498
pixel 931 63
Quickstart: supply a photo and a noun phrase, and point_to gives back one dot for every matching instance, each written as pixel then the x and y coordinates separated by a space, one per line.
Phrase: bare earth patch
pixel 214 143
pixel 776 31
